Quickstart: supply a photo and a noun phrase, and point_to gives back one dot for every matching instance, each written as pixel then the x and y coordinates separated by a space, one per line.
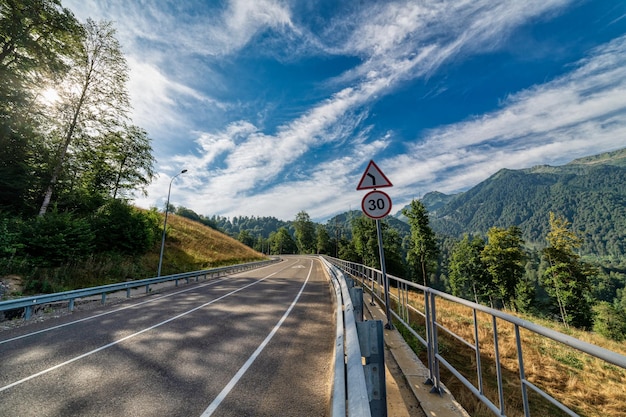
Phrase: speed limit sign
pixel 376 204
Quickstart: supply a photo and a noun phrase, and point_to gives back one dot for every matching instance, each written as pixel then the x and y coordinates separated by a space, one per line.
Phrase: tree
pixel 282 242
pixel 468 273
pixel 567 278
pixel 305 233
pixel 610 321
pixel 37 40
pixel 504 258
pixel 365 241
pixel 115 163
pixel 93 97
pixel 324 244
pixel 246 238
pixel 423 250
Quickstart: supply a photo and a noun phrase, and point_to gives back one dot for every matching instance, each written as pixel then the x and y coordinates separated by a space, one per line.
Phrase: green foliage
pixel 282 242
pixel 324 244
pixel 57 238
pixel 505 259
pixel 468 273
pixel 365 241
pixel 423 250
pixel 122 228
pixel 305 233
pixel 609 321
pixel 591 192
pixel 567 277
pixel 246 238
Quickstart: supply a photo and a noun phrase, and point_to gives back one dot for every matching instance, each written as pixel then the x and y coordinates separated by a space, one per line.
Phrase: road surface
pixel 259 343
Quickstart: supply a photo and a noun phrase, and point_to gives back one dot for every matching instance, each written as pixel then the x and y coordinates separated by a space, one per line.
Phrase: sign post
pixel 376 205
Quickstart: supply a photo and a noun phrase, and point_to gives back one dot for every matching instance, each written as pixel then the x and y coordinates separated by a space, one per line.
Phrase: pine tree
pixel 567 277
pixel 423 250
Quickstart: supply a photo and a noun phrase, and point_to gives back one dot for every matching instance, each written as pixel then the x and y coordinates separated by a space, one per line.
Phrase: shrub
pixel 609 321
pixel 57 238
pixel 124 229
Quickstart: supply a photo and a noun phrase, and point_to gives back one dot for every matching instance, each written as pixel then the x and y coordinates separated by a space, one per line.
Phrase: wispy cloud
pixel 555 122
pixel 240 168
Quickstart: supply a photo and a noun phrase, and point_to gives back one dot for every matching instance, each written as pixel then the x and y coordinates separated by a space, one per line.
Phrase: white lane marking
pixel 108 312
pixel 231 384
pixel 84 355
pixel 122 308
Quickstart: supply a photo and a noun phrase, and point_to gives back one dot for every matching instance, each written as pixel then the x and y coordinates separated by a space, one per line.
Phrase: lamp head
pixel 183 171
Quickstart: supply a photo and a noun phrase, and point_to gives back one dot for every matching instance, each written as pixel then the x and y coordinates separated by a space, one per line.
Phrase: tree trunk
pixel 63 151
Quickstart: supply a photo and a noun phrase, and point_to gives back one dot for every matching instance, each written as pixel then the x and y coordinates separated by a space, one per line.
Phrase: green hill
pixel 590 192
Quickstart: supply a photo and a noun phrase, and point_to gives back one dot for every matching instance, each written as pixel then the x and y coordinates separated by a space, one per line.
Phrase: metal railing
pixel 350 395
pixel 404 294
pixel 28 303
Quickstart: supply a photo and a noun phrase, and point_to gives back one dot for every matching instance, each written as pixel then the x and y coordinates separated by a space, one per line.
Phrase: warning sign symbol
pixel 373 177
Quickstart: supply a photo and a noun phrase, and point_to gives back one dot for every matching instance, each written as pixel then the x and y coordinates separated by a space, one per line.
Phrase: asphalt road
pixel 259 343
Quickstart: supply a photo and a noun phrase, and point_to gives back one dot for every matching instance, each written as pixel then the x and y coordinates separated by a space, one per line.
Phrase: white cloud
pixel 397 41
pixel 578 114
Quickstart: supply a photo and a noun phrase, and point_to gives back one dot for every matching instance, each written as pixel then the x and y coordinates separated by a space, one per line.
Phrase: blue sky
pixel 275 107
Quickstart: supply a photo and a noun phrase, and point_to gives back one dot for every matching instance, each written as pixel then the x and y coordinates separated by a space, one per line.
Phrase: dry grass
pixel 193 246
pixel 189 246
pixel 587 385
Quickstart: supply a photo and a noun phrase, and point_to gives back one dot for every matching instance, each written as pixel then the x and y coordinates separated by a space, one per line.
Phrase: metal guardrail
pixel 372 279
pixel 28 303
pixel 350 394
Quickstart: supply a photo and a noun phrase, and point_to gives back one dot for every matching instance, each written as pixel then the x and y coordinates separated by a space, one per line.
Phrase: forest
pixel 553 245
pixel 71 157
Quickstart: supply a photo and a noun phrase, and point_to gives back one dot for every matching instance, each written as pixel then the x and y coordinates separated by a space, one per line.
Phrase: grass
pixel 589 386
pixel 189 246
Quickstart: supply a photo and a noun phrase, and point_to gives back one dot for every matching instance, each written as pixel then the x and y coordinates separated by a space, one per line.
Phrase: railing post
pixel 522 373
pixel 437 381
pixel 498 366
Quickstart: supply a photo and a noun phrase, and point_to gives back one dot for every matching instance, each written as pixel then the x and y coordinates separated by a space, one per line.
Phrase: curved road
pixel 259 343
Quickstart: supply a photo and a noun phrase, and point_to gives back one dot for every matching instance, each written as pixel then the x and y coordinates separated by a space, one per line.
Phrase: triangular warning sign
pixel 373 177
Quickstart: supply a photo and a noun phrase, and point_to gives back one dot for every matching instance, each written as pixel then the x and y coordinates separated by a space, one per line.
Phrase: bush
pixel 57 238
pixel 609 321
pixel 124 229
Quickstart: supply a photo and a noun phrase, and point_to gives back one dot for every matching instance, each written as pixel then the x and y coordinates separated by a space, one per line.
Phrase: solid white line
pixel 231 384
pixel 108 312
pixel 45 371
pixel 213 282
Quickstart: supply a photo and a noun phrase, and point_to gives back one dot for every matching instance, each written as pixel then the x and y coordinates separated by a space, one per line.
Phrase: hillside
pixel 191 246
pixel 590 192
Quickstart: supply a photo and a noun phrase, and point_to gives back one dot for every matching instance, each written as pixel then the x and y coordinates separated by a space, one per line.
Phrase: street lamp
pixel 167 206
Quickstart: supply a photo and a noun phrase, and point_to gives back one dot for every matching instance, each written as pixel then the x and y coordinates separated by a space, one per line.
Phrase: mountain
pixel 590 192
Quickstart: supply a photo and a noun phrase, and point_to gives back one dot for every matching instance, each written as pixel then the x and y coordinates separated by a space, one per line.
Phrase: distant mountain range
pixel 590 192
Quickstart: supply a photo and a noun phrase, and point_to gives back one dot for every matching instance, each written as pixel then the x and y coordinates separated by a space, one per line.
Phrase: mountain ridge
pixel 590 192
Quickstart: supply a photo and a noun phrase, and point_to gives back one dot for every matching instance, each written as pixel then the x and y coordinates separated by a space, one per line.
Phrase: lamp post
pixel 167 207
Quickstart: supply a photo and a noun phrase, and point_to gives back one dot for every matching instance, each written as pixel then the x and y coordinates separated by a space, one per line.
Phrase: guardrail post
pixel 70 305
pixel 104 298
pixel 356 295
pixel 28 311
pixel 372 348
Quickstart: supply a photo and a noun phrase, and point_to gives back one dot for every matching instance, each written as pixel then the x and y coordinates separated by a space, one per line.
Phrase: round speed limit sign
pixel 376 204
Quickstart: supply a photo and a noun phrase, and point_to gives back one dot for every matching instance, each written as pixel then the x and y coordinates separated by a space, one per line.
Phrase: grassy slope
pixel 191 246
pixel 591 387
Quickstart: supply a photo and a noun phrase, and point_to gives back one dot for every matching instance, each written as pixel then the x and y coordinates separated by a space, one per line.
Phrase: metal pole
pixel 383 268
pixel 167 206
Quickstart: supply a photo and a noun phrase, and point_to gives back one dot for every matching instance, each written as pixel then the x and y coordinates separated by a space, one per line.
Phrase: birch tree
pixel 93 99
